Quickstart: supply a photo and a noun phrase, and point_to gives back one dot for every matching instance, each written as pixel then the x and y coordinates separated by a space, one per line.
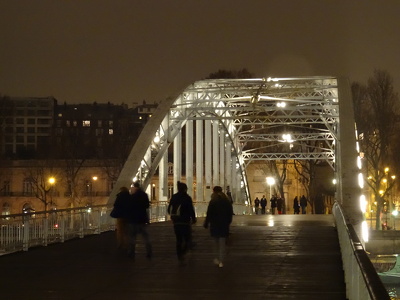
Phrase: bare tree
pixel 377 107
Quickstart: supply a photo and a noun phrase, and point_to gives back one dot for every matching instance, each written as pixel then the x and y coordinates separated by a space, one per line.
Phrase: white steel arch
pixel 230 122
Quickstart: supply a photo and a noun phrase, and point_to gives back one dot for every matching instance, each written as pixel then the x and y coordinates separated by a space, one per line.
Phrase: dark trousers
pixel 183 233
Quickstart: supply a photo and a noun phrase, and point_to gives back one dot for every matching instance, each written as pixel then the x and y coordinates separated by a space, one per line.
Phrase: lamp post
pixel 51 182
pixel 92 192
pixel 270 182
pixel 394 213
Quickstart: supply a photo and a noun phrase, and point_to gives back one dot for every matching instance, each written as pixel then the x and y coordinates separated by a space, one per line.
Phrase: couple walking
pixel 130 209
pixel 219 218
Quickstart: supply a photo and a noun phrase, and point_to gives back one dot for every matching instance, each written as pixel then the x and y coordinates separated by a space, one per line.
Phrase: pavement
pixel 269 257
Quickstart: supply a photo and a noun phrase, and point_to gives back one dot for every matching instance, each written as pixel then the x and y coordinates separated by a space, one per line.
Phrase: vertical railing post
pixel 45 230
pixel 25 233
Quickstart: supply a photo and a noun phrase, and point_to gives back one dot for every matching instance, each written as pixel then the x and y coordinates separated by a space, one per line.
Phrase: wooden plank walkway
pixel 269 257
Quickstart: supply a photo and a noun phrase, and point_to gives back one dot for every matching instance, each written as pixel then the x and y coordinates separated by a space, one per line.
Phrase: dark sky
pixel 129 50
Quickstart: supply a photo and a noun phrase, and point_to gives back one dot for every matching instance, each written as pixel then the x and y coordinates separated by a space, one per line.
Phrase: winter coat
pixel 137 208
pixel 181 209
pixel 219 215
pixel 121 205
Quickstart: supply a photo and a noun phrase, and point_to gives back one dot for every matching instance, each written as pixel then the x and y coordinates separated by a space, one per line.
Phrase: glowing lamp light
pixel 270 180
pixel 156 139
pixel 52 180
pixel 360 180
pixel 363 204
pixel 395 212
pixel 364 231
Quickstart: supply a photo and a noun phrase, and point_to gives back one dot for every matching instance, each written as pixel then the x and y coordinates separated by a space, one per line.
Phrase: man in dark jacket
pixel 219 217
pixel 183 216
pixel 137 218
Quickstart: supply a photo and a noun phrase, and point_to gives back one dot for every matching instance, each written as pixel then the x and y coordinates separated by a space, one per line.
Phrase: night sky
pixel 128 51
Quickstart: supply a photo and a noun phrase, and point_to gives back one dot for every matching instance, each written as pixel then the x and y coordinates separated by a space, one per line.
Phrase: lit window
pixel 110 131
pixel 86 123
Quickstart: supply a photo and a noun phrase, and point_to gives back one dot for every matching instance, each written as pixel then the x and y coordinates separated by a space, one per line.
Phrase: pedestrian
pixel 219 218
pixel 183 215
pixel 303 204
pixel 263 203
pixel 273 201
pixel 119 212
pixel 138 219
pixel 279 205
pixel 296 206
pixel 256 205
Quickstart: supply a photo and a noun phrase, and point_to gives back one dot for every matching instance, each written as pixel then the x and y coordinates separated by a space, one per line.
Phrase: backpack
pixel 175 212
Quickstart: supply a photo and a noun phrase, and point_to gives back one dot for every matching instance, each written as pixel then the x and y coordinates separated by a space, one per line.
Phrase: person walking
pixel 273 201
pixel 183 215
pixel 119 212
pixel 138 218
pixel 219 218
pixel 303 204
pixel 279 205
pixel 263 204
pixel 256 205
pixel 296 206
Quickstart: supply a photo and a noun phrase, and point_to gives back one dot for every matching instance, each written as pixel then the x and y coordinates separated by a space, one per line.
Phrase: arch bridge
pixel 216 128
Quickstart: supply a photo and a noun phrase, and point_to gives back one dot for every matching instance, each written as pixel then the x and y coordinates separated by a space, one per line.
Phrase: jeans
pixel 134 230
pixel 183 233
pixel 220 248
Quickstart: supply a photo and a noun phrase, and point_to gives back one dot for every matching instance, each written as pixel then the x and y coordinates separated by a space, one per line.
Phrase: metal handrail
pixel 362 280
pixel 19 232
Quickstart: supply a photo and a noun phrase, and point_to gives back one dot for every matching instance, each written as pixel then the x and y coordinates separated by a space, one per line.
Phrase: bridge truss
pixel 215 128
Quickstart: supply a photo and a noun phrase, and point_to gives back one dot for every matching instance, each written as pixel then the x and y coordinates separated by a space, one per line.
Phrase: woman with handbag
pixel 120 213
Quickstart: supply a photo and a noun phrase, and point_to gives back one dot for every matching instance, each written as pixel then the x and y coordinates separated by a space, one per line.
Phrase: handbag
pixel 114 213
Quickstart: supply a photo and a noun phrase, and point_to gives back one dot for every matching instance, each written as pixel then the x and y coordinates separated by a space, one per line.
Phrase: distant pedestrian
pixel 219 218
pixel 138 219
pixel 303 204
pixel 183 216
pixel 296 206
pixel 263 203
pixel 273 201
pixel 279 205
pixel 257 205
pixel 119 212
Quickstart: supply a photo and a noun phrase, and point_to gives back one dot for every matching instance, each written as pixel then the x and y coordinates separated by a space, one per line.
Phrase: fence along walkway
pixel 270 257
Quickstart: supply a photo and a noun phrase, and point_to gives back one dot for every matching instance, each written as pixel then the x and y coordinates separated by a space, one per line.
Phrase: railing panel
pixel 362 281
pixel 22 231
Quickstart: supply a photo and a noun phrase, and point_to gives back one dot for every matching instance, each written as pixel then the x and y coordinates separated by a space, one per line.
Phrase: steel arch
pixel 252 114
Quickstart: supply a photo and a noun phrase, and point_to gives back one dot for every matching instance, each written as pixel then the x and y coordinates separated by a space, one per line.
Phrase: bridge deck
pixel 269 257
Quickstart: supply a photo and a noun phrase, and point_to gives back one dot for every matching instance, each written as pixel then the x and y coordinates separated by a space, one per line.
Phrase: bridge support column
pixel 177 159
pixel 189 156
pixel 228 164
pixel 208 161
pixel 222 160
pixel 199 161
pixel 215 158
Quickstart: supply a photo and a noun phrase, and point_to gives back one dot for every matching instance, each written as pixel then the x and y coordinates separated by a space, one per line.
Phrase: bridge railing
pixel 362 280
pixel 20 232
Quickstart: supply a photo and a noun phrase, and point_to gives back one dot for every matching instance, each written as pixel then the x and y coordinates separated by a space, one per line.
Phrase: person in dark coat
pixel 183 216
pixel 137 217
pixel 303 204
pixel 279 204
pixel 120 213
pixel 273 201
pixel 257 205
pixel 296 206
pixel 219 218
pixel 263 203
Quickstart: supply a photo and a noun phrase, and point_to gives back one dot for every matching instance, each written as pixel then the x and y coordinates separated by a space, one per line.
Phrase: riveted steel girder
pixel 253 114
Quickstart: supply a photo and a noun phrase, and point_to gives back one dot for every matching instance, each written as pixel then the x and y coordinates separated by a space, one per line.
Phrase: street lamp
pixel 270 182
